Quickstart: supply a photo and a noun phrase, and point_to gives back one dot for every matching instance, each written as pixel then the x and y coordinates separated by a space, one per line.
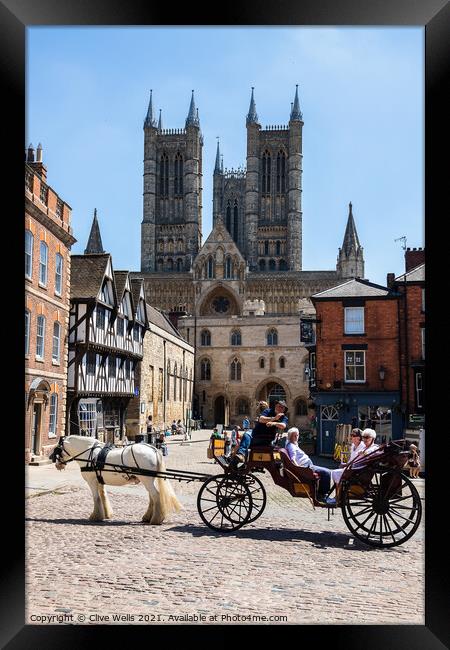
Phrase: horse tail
pixel 168 498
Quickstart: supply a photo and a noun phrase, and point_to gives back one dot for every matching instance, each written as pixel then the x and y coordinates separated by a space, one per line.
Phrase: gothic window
pixel 262 265
pixel 175 382
pixel 242 407
pixel 159 264
pixel 266 172
pixel 221 305
pixel 281 172
pixel 210 267
pixel 229 217
pixel 282 362
pixel 205 370
pixel 276 392
pixel 170 264
pixel 235 221
pixel 206 337
pixel 272 265
pixel 179 264
pixel 235 370
pixel 278 248
pixel 282 265
pixel 178 175
pixel 272 337
pixel 164 176
pixel 170 246
pixel 261 363
pixel 228 268
pixel 180 246
pixel 236 337
pixel 160 245
pixel 266 247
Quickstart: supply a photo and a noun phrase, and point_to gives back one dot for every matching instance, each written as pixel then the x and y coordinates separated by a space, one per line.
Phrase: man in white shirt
pixel 300 458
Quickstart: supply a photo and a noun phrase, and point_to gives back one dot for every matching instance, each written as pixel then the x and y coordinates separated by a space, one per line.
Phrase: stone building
pixel 164 377
pixel 48 239
pixel 248 273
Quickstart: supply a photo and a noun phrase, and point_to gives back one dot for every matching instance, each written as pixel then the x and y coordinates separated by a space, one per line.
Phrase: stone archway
pixel 273 387
pixel 219 410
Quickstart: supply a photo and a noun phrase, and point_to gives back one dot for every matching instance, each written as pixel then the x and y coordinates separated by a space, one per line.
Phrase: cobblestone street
pixel 291 562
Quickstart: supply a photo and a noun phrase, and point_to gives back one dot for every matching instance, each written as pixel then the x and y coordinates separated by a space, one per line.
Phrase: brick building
pixel 354 361
pixel 48 239
pixel 411 288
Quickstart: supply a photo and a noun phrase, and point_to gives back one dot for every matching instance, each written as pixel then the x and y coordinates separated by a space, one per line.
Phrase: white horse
pixel 162 498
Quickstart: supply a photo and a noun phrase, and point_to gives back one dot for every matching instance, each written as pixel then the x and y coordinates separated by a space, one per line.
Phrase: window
pixel 266 247
pixel 228 268
pixel 179 264
pixel 100 317
pixel 111 367
pixel 210 267
pixel 354 320
pixel 262 265
pixel 43 263
pixel 419 390
pixel 205 370
pixel 27 331
pixel 59 208
pixel 178 175
pixel 355 365
pixel 136 329
pixel 423 299
pixel 301 408
pixel 91 359
pixel 127 369
pixel 283 265
pixel 206 337
pixel 266 172
pixel 40 337
pixel 281 171
pixel 164 176
pixel 43 194
pixel 58 273
pixel 53 414
pixel 282 362
pixel 160 384
pixel 276 392
pixel 422 338
pixel 56 341
pixel 235 221
pixel 235 370
pixel 272 265
pixel 88 417
pixel 235 337
pixel 228 218
pixel 261 363
pixel 242 407
pixel 29 240
pixel 272 337
pixel 120 327
pixel 312 369
pixel 29 180
pixel 278 248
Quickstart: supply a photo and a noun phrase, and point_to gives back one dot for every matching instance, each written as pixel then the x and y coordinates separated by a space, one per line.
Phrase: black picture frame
pixel 434 15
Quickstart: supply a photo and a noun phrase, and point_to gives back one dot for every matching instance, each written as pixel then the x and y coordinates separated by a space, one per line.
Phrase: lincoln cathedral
pixel 237 297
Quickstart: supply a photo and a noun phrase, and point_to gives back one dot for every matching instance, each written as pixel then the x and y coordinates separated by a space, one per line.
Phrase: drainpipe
pixel 406 352
pixel 399 353
pixel 164 384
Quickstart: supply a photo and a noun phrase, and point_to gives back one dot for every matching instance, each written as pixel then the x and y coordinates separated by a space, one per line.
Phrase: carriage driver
pixel 271 421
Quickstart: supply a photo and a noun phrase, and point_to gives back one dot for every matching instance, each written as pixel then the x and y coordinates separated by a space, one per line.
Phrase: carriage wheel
pixel 259 497
pixel 224 504
pixel 384 513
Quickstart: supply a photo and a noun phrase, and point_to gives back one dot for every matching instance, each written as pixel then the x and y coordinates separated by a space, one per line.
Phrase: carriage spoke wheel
pixel 387 513
pixel 224 504
pixel 259 497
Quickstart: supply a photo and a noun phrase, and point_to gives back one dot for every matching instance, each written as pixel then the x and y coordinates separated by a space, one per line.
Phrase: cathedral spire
pixel 160 122
pixel 296 113
pixel 351 241
pixel 192 118
pixel 252 117
pixel 150 120
pixel 217 167
pixel 94 244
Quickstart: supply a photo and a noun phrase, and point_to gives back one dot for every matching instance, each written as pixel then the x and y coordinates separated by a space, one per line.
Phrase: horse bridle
pixel 57 453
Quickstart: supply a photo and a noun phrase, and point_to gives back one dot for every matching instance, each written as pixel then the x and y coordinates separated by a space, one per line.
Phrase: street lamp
pixel 382 374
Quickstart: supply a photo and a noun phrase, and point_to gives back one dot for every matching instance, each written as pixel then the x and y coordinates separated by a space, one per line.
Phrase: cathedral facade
pixel 238 298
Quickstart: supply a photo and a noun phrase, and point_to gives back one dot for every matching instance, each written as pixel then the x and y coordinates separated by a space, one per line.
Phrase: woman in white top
pixel 356 447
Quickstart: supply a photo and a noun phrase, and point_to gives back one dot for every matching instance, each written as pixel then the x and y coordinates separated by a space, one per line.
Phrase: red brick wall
pixel 414 257
pixel 412 346
pixel 44 301
pixel 381 336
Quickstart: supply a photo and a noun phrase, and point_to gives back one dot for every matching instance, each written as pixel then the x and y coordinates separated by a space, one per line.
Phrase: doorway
pixel 36 429
pixel 329 416
pixel 219 410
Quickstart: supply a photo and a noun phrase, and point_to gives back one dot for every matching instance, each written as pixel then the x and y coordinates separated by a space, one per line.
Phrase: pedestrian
pixel 174 427
pixel 149 424
pixel 246 423
pixel 300 458
pixel 227 445
pixel 413 461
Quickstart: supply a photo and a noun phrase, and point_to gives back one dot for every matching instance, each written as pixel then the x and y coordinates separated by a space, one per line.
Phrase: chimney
pixel 37 166
pixel 414 257
pixel 390 279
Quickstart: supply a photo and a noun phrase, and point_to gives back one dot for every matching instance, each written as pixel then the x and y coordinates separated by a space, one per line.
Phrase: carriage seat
pixel 305 474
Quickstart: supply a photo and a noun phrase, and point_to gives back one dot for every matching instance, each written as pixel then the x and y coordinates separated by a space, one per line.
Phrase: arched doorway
pixel 271 392
pixel 219 410
pixel 37 400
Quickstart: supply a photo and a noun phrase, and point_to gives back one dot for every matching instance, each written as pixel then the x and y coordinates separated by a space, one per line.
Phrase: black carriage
pixel 380 505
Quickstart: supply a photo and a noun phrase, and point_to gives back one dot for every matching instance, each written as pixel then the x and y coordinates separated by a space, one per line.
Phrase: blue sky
pixel 361 94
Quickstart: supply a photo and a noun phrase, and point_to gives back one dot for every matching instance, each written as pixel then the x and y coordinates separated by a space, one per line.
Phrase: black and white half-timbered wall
pixel 108 320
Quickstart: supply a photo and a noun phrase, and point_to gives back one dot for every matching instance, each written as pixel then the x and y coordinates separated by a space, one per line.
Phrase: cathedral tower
pixel 350 262
pixel 172 222
pixel 273 216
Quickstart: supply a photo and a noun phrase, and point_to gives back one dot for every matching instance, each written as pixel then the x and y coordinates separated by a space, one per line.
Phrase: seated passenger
pixel 300 458
pixel 269 422
pixel 368 438
pixel 356 446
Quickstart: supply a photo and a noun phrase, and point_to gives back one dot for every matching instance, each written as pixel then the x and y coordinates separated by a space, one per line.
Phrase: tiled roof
pixel 415 275
pixel 86 274
pixel 354 289
pixel 160 320
pixel 136 284
pixel 120 278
